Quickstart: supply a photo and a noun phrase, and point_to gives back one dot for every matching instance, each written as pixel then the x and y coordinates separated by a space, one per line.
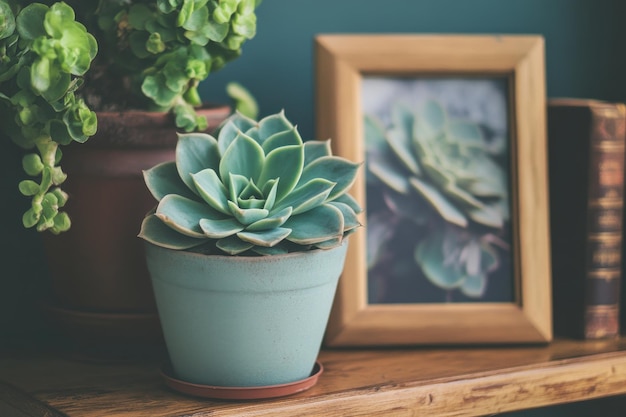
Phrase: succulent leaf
pixel 395 180
pixel 332 167
pixel 315 149
pixel 163 179
pixel 243 157
pixel 317 225
pixel 158 233
pixel 218 229
pixel 270 199
pixel 448 211
pixel 237 183
pixel 487 216
pixel 350 220
pixel 273 124
pixel 474 285
pixel 253 196
pixel 194 153
pixel 331 243
pixel 285 163
pixel 273 251
pixel 211 189
pixel 375 137
pixel 30 20
pixel 183 214
pixel 247 216
pixel 401 145
pixel 274 220
pixel 7 21
pixel 312 194
pixel 350 201
pixel 466 133
pixel 430 255
pixel 266 238
pixel 232 245
pixel 227 132
pixel 282 139
pixel 431 120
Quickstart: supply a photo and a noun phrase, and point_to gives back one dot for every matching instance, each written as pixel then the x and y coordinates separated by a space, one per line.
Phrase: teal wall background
pixel 585 44
pixel 585 57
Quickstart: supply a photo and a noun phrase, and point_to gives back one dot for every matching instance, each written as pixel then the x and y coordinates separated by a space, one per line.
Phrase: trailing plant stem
pixel 45 203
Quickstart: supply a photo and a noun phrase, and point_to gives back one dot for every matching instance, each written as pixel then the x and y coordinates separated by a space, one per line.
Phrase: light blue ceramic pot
pixel 244 321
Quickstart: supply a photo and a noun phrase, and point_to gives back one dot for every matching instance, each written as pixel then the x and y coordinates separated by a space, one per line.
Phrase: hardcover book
pixel 586 170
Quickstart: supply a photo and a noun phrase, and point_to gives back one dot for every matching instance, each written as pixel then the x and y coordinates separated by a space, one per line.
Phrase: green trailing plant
pixel 255 188
pixel 44 52
pixel 155 53
pixel 243 101
pixel 439 171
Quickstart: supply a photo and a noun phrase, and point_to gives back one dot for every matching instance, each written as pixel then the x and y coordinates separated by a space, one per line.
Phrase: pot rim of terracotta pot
pixel 128 129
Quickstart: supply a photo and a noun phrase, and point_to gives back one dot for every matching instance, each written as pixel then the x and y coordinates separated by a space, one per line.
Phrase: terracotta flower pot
pixel 100 283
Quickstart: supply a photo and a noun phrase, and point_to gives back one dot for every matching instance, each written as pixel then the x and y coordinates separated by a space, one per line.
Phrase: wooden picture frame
pixel 343 62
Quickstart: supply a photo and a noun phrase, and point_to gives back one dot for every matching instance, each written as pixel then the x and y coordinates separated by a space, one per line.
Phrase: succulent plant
pixel 446 161
pixel 44 52
pixel 430 164
pixel 256 188
pixel 153 55
pixel 161 50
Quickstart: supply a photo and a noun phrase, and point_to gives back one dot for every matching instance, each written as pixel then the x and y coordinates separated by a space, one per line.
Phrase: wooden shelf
pixel 385 382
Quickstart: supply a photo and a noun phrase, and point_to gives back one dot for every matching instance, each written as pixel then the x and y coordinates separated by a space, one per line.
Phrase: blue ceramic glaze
pixel 244 321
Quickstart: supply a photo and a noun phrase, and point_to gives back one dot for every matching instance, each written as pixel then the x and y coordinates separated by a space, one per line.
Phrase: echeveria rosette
pixel 257 187
pixel 446 161
pixel 429 164
pixel 41 64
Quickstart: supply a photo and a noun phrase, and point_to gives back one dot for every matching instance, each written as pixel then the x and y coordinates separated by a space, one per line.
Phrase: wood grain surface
pixel 383 382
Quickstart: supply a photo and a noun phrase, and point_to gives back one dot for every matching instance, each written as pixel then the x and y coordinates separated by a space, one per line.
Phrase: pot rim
pixel 239 258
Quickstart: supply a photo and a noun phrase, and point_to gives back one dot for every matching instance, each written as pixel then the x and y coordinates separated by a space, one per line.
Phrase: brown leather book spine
pixel 586 161
pixel 604 221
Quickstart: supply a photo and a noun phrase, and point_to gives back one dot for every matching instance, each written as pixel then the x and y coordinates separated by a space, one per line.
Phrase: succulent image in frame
pixel 436 175
pixel 255 188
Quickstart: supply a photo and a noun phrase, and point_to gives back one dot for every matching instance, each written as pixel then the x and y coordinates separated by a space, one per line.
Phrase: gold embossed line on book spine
pixel 604 222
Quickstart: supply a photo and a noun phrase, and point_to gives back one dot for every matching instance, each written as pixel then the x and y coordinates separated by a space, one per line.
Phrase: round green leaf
pixel 7 21
pixel 30 20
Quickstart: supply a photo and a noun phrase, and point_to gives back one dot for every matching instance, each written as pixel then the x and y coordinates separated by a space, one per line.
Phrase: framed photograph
pixel 452 133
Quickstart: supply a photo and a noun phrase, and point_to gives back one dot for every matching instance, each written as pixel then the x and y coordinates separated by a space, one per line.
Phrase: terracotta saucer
pixel 241 393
